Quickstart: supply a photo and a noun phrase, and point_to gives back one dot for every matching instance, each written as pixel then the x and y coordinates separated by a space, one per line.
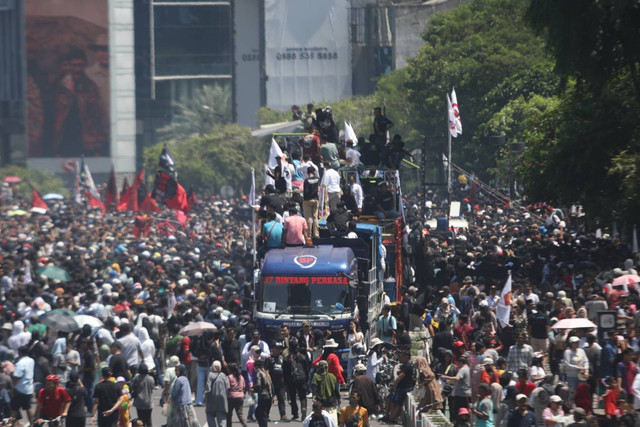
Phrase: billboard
pixel 246 56
pixel 307 51
pixel 68 93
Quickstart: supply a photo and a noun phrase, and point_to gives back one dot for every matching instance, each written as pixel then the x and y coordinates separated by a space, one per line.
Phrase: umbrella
pixel 85 319
pixel 17 212
pixel 197 328
pixel 12 179
pixel 55 273
pixel 59 321
pixel 53 196
pixel 627 279
pixel 65 311
pixel 575 323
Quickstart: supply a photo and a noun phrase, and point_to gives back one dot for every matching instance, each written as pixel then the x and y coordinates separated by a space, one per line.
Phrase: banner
pixel 67 78
pixel 307 51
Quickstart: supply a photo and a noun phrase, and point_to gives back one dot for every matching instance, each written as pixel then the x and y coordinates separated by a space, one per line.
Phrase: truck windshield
pixel 304 294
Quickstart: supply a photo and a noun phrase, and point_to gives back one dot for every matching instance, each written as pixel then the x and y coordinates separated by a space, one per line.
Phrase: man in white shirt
pixel 304 165
pixel 331 179
pixel 353 155
pixel 356 190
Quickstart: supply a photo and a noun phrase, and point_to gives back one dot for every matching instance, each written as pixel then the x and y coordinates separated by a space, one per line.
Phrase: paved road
pixel 159 420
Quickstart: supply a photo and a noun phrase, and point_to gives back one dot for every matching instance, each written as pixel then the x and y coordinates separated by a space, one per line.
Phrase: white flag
pixel 252 192
pixel 503 310
pixel 452 118
pixel 456 111
pixel 274 152
pixel 267 179
pixel 77 188
pixel 350 134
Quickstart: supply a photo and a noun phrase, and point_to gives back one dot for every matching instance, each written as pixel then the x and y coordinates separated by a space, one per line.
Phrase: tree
pixel 474 47
pixel 209 106
pixel 45 182
pixel 592 40
pixel 225 155
pixel 581 140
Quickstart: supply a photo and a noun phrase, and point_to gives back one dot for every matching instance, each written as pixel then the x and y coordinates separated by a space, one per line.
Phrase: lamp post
pixel 515 149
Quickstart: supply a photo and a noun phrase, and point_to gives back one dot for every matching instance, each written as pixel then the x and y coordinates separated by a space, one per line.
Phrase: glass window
pixel 192 40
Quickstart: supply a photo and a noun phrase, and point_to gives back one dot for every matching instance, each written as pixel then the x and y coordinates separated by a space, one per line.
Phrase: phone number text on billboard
pixel 320 56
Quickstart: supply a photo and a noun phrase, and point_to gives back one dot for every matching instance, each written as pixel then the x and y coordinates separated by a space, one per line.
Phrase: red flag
pixel 149 204
pixel 36 200
pixel 192 200
pixel 179 197
pixel 141 224
pixel 94 202
pixel 129 200
pixel 125 187
pixel 182 218
pixel 111 197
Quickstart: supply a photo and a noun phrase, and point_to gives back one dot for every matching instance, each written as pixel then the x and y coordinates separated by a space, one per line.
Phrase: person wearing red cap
pixel 53 401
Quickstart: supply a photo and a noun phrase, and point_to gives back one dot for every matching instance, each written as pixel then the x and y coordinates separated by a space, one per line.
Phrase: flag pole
pixel 449 163
pixel 253 216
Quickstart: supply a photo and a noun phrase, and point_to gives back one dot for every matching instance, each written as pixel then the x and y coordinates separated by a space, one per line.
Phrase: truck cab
pixel 328 283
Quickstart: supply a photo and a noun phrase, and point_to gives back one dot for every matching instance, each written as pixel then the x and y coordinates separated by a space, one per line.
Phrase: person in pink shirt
pixel 295 228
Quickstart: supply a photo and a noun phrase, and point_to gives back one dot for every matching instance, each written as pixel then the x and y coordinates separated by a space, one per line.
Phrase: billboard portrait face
pixel 67 78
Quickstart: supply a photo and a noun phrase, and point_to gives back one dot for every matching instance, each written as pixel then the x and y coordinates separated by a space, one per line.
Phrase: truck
pixel 327 283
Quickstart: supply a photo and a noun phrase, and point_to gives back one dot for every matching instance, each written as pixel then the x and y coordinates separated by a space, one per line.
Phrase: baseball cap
pixel 463 411
pixel 573 339
pixel 521 396
pixel 555 398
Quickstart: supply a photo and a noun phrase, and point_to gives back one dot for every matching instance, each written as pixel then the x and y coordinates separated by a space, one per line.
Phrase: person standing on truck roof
pixel 332 181
pixel 310 201
pixel 295 228
pixel 272 232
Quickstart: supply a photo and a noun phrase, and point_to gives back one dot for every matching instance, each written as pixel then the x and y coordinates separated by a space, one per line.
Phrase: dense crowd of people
pixel 478 366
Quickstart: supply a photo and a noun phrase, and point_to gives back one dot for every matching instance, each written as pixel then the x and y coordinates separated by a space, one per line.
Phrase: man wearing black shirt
pixel 88 370
pixel 273 200
pixel 107 399
pixel 338 220
pixel 404 383
pixel 231 348
pixel 274 365
pixel 118 363
pixel 310 201
pixel 366 389
pixel 538 324
pixel 385 203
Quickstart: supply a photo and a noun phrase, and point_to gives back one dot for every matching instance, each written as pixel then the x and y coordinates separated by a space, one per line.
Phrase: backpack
pixel 298 374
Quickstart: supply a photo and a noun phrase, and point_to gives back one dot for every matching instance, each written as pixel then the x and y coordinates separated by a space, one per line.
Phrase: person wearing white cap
pixel 366 389
pixel 553 414
pixel 576 363
pixel 521 416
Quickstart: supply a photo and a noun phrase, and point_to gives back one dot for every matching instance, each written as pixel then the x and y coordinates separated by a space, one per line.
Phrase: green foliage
pixel 594 40
pixel 223 156
pixel 521 120
pixel 45 182
pixel 474 48
pixel 585 141
pixel 208 107
pixel 268 115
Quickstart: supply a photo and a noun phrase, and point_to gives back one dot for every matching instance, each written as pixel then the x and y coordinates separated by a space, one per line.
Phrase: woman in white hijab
pixel 148 348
